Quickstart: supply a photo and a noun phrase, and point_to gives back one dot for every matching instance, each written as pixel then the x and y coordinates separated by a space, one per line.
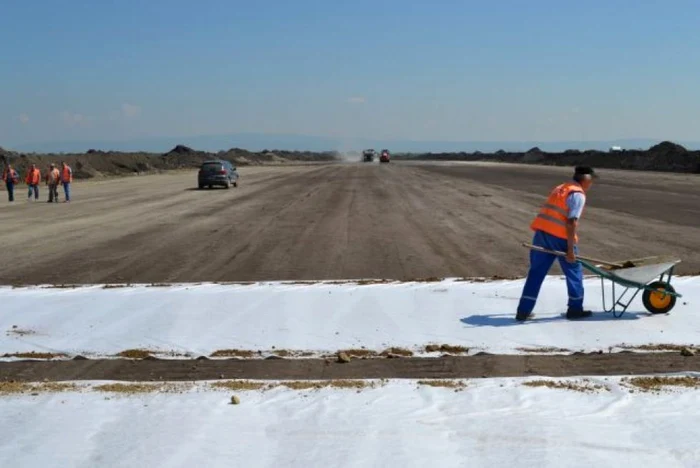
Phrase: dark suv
pixel 217 173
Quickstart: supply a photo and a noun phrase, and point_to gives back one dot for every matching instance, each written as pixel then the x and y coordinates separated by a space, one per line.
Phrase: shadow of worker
pixel 502 320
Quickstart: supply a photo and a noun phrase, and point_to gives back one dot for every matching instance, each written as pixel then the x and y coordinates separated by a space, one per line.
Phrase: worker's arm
pixel 571 226
pixel 575 202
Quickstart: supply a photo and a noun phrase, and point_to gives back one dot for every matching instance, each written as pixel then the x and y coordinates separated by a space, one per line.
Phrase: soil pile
pixel 97 163
pixel 664 157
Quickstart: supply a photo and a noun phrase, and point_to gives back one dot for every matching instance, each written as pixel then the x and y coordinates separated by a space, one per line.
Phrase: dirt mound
pixel 664 157
pixel 182 149
pixel 98 163
pixel 667 147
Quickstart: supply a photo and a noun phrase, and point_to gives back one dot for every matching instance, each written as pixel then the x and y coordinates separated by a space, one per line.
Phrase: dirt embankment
pixel 666 156
pixel 95 163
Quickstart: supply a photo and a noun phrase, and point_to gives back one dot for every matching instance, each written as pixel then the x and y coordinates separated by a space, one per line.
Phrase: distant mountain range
pixel 260 142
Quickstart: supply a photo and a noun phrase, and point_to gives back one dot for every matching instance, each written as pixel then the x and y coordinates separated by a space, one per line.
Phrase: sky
pixel 399 70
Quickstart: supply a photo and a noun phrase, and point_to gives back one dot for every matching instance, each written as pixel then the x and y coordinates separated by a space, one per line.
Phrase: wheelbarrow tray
pixel 643 272
pixel 651 275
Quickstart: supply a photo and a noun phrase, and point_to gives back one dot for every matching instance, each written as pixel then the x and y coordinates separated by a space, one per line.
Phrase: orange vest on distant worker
pixel 554 213
pixel 33 177
pixel 66 175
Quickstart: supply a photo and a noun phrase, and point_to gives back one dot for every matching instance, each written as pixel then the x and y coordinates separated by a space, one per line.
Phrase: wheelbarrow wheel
pixel 658 302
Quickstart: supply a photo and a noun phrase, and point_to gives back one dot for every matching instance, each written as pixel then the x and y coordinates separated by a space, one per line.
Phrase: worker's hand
pixel 570 257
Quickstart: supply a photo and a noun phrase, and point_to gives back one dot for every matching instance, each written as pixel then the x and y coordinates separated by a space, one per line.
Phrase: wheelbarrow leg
pixel 616 301
pixel 626 304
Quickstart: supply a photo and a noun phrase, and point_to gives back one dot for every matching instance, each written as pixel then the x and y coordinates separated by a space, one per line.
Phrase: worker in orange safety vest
pixel 11 178
pixel 66 179
pixel 33 180
pixel 555 228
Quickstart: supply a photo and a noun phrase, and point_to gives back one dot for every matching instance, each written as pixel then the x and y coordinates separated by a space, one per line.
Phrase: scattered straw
pixel 35 355
pixel 543 349
pixel 14 387
pixel 429 279
pixel 242 353
pixel 445 348
pixel 56 387
pixel 136 388
pixel 136 353
pixel 658 347
pixel 11 387
pixel 369 282
pixel 454 384
pixel 359 353
pixel 238 385
pixel 583 386
pixel 317 385
pixel 657 383
pixel 397 352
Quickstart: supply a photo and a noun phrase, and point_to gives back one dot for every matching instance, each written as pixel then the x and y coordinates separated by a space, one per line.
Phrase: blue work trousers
pixel 541 262
pixel 66 190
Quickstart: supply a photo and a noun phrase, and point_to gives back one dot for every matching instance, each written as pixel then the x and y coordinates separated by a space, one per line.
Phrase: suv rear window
pixel 212 167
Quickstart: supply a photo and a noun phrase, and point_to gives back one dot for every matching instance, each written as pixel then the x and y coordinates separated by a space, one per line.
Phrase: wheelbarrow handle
pixel 563 254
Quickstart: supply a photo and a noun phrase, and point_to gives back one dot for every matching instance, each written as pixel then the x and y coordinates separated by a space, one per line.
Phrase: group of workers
pixel 53 178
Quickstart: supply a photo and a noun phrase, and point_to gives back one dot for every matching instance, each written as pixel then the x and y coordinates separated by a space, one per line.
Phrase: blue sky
pixel 443 70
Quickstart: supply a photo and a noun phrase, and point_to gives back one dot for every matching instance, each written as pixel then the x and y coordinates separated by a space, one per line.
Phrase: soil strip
pixel 448 367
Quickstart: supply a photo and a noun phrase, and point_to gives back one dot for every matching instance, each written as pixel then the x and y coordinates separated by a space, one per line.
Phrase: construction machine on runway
pixel 368 155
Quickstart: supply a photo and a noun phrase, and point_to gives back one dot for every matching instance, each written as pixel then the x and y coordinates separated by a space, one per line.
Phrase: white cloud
pixel 130 111
pixel 24 118
pixel 357 100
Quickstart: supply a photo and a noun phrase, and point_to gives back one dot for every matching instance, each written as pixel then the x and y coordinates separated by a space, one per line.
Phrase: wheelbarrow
pixel 650 274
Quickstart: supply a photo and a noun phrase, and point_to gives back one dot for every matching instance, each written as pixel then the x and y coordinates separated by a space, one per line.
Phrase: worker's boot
pixel 522 317
pixel 572 314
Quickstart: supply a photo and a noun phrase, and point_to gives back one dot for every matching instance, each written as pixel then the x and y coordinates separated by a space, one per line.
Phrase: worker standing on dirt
pixel 33 180
pixel 11 178
pixel 66 179
pixel 52 180
pixel 556 228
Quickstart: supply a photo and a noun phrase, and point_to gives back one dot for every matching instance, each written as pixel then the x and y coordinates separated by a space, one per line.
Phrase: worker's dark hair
pixel 581 172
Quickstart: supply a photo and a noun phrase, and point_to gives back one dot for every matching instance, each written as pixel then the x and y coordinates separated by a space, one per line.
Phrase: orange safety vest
pixel 33 177
pixel 554 213
pixel 66 175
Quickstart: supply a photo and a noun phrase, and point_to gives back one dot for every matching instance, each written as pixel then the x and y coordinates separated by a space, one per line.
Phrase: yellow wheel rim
pixel 659 299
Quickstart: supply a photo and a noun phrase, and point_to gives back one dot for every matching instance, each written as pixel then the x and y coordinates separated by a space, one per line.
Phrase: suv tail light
pixel 222 171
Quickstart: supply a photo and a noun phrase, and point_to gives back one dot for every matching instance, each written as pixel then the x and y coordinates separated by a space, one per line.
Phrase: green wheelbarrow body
pixel 650 275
